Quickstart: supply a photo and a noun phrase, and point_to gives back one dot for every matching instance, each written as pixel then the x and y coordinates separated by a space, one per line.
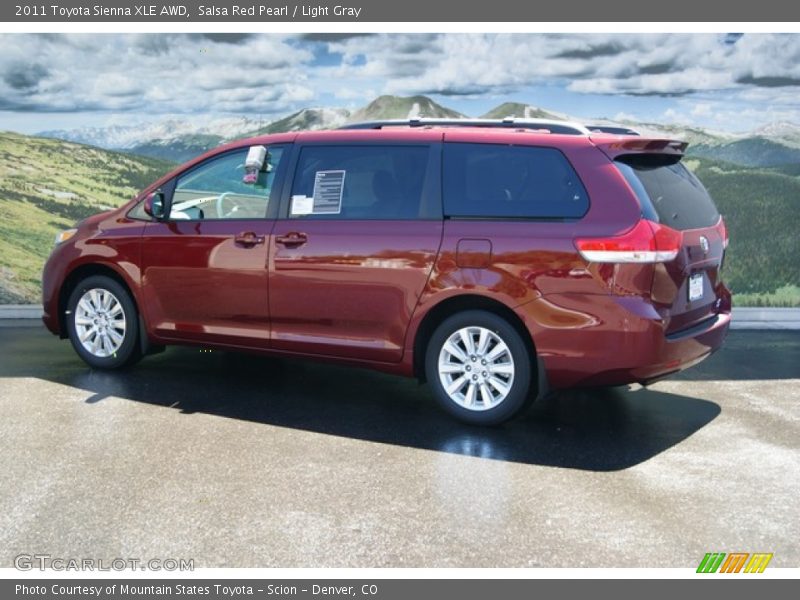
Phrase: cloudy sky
pixel 727 82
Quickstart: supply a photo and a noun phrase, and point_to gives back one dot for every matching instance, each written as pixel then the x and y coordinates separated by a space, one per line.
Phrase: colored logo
pixel 735 562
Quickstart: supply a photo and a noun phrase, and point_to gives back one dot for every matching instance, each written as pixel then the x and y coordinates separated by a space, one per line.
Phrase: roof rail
pixel 565 127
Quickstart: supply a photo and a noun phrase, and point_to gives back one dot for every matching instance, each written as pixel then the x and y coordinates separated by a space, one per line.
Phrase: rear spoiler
pixel 614 147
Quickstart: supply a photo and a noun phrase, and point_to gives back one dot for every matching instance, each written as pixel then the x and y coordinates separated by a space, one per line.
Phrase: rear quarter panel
pixel 535 263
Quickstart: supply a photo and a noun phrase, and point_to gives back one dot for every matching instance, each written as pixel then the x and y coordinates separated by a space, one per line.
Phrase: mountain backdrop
pixel 49 181
pixel 47 185
pixel 178 140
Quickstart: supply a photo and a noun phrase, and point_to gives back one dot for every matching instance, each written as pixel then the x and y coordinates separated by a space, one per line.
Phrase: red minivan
pixel 496 260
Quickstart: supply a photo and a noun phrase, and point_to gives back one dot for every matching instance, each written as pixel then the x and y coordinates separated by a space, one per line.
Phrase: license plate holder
pixel 695 287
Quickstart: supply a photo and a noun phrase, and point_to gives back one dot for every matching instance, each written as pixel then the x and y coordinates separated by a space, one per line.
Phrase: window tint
pixel 668 192
pixel 216 189
pixel 359 182
pixel 137 212
pixel 488 180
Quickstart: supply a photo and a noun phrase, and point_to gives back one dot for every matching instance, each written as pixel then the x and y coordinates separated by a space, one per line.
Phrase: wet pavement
pixel 240 460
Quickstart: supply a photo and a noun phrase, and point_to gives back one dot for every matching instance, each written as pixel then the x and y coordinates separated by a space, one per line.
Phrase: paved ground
pixel 243 461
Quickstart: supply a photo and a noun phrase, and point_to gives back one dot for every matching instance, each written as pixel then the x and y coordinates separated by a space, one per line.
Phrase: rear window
pixel 498 181
pixel 668 192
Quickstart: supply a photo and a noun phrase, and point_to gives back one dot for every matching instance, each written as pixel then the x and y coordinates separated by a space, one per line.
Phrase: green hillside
pixel 750 152
pixel 47 185
pixel 760 209
pixel 791 169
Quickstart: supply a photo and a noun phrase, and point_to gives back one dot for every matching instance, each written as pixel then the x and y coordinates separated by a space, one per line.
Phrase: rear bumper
pixel 683 349
pixel 616 341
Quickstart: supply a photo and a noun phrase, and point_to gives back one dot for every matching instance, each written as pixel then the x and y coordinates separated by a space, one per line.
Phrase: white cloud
pixel 633 64
pixel 271 74
pixel 362 94
pixel 624 116
pixel 175 73
pixel 725 116
pixel 702 109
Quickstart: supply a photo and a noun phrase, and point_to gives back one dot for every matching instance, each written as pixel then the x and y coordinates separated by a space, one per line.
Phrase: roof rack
pixel 564 127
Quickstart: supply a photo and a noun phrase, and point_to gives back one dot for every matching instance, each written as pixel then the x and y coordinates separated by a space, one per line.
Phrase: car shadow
pixel 596 430
pixel 751 355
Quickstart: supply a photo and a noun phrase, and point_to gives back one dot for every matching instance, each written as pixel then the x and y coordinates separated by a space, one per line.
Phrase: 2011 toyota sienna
pixel 496 260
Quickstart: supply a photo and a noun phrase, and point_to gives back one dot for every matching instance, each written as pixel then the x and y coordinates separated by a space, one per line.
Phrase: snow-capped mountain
pixel 785 131
pixel 124 137
pixel 308 119
pixel 178 139
pixel 774 144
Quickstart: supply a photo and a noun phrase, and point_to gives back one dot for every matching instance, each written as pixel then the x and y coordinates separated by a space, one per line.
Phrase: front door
pixel 204 269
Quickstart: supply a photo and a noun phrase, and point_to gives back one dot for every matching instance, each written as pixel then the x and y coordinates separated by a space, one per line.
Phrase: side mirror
pixel 154 205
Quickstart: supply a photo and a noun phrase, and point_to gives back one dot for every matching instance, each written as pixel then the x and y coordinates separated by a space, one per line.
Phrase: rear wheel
pixel 103 324
pixel 479 368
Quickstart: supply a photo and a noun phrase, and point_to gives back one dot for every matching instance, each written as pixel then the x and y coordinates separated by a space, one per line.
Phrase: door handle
pixel 291 239
pixel 249 239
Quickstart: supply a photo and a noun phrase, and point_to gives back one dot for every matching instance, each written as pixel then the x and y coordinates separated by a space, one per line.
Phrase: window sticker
pixel 328 188
pixel 302 205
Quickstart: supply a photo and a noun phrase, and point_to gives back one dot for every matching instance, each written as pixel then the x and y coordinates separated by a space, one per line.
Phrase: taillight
pixel 723 232
pixel 647 242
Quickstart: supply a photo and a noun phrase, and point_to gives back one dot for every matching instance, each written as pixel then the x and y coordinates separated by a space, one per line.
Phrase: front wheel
pixel 479 368
pixel 103 324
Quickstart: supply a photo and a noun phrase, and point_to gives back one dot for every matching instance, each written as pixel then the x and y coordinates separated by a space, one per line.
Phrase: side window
pixel 359 182
pixel 488 180
pixel 137 212
pixel 217 188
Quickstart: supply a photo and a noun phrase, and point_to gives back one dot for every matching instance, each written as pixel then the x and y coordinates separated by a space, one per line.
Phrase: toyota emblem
pixel 704 244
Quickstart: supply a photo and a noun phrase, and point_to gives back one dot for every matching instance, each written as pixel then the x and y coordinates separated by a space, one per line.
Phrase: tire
pixel 101 302
pixel 491 392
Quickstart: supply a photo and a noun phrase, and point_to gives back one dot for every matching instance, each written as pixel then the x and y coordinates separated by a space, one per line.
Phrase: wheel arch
pixel 460 303
pixel 80 273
